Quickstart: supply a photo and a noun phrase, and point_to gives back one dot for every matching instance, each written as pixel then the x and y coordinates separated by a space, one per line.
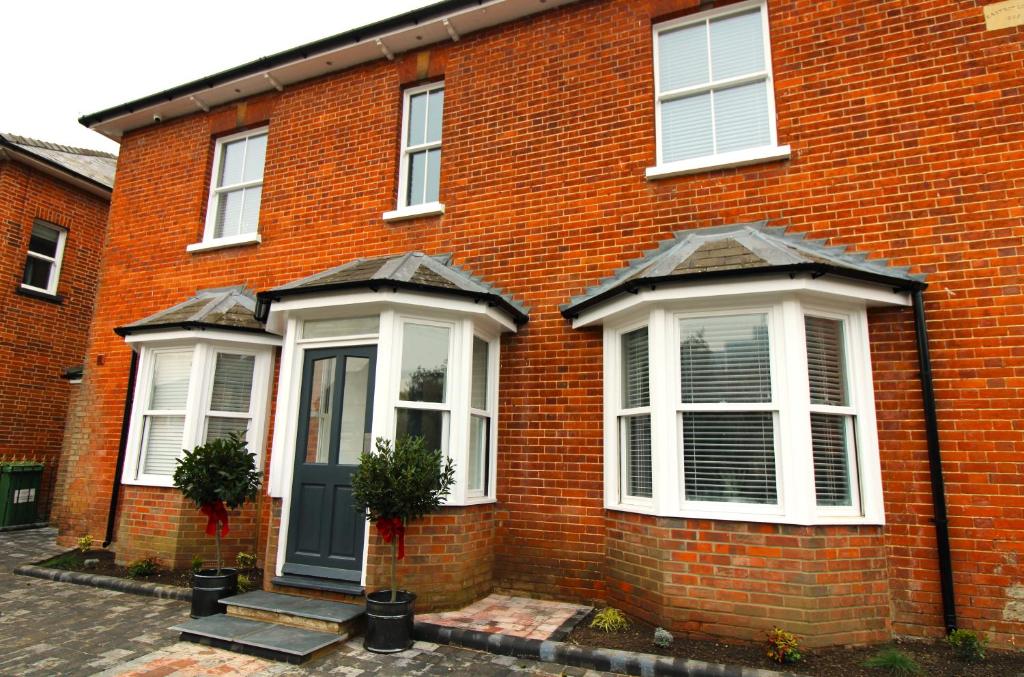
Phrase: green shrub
pixel 610 620
pixel 197 564
pixel 245 560
pixel 967 645
pixel 85 543
pixel 895 661
pixel 783 647
pixel 141 568
pixel 244 583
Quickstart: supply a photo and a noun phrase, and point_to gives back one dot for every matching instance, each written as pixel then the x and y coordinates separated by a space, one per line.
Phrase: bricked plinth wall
pixel 737 579
pixel 904 121
pixel 159 522
pixel 40 339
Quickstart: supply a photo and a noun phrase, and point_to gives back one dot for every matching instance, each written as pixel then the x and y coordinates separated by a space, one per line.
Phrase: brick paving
pixel 517 616
pixel 50 628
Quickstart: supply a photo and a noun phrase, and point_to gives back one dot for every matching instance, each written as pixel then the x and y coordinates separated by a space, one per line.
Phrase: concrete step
pixel 255 638
pixel 342 619
pixel 343 588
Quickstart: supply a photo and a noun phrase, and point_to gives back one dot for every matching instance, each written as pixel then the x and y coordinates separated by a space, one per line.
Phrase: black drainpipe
pixel 121 449
pixel 931 427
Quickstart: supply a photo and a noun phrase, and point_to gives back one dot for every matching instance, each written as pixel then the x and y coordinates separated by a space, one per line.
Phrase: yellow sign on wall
pixel 1004 14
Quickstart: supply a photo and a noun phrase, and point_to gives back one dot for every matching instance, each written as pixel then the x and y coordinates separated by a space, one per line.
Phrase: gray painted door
pixel 325 535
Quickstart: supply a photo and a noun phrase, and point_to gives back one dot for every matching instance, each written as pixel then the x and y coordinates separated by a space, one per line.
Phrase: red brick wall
pixel 735 579
pixel 39 339
pixel 904 120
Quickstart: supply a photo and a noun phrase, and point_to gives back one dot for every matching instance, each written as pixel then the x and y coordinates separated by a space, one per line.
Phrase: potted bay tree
pixel 217 476
pixel 394 486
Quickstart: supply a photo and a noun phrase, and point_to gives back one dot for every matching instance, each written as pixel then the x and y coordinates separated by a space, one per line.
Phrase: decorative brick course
pixel 904 120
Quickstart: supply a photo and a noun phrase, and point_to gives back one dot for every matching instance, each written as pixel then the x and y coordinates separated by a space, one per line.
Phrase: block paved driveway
pixel 49 628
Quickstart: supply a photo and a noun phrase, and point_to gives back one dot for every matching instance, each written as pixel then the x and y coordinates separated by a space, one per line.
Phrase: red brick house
pixel 53 212
pixel 716 306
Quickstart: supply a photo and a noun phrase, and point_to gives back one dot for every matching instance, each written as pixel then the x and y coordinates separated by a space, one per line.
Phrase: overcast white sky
pixel 65 59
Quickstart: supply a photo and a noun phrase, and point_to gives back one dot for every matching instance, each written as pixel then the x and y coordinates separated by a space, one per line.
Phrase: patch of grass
pixel 69 561
pixel 610 620
pixel 895 661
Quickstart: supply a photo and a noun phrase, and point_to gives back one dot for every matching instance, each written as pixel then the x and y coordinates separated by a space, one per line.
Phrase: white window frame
pixel 791 403
pixel 209 241
pixel 621 413
pixel 197 407
pixel 490 413
pixel 404 210
pixel 55 261
pixel 746 156
pixel 452 390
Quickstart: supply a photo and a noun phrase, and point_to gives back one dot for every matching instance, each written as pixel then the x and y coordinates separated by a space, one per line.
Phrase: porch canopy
pixel 415 272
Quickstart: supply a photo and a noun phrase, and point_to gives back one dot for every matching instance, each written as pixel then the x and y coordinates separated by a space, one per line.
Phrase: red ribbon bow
pixel 215 512
pixel 391 527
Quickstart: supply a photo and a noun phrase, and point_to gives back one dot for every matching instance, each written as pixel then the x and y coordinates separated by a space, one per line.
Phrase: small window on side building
pixel 43 260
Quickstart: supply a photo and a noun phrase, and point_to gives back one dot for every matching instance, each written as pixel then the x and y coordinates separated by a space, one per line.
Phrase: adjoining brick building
pixel 716 306
pixel 53 212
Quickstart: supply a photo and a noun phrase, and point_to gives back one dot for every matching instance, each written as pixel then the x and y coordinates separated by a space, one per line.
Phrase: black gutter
pixel 189 324
pixel 416 17
pixel 931 427
pixel 265 298
pixel 816 269
pixel 18 150
pixel 122 448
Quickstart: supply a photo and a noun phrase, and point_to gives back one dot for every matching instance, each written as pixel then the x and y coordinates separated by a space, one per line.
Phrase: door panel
pixel 325 534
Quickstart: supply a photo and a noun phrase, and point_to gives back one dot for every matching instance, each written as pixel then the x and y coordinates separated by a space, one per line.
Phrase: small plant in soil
pixel 245 560
pixel 141 568
pixel 197 564
pixel 610 620
pixel 663 638
pixel 783 646
pixel 218 476
pixel 895 661
pixel 244 583
pixel 967 645
pixel 85 543
pixel 398 484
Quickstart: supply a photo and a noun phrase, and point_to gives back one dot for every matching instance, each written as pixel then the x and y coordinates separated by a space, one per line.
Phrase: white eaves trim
pixel 221 243
pixel 363 48
pixel 220 336
pixel 739 158
pixel 415 211
pixel 828 286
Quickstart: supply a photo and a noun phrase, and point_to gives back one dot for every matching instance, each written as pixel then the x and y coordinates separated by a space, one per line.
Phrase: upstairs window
pixel 419 172
pixel 45 252
pixel 713 83
pixel 236 188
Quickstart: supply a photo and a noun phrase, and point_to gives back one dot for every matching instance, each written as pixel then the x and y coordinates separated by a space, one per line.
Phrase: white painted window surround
pixel 236 191
pixel 776 398
pixel 187 391
pixel 714 94
pixel 419 167
pixel 44 257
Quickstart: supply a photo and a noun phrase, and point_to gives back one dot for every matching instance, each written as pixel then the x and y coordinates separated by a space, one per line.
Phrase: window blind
pixel 831 467
pixel 232 383
pixel 478 387
pixel 163 437
pixel 635 430
pixel 635 370
pixel 725 359
pixel 169 390
pixel 825 364
pixel 729 456
pixel 639 475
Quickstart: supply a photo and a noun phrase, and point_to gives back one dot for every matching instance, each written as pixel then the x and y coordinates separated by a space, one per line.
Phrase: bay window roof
pixel 736 250
pixel 411 271
pixel 224 308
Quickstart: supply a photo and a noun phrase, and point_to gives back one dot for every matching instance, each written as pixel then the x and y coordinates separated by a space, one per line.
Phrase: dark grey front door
pixel 325 535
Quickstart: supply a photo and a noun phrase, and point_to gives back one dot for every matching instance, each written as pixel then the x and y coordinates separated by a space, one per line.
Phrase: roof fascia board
pixel 104 121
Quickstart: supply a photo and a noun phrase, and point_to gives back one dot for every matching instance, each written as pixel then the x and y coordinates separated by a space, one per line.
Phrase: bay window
pixel 730 411
pixel 189 393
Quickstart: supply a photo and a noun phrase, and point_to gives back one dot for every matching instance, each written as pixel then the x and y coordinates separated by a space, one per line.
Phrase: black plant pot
pixel 208 587
pixel 389 624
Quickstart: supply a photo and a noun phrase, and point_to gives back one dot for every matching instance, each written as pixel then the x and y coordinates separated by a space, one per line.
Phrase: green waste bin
pixel 19 492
